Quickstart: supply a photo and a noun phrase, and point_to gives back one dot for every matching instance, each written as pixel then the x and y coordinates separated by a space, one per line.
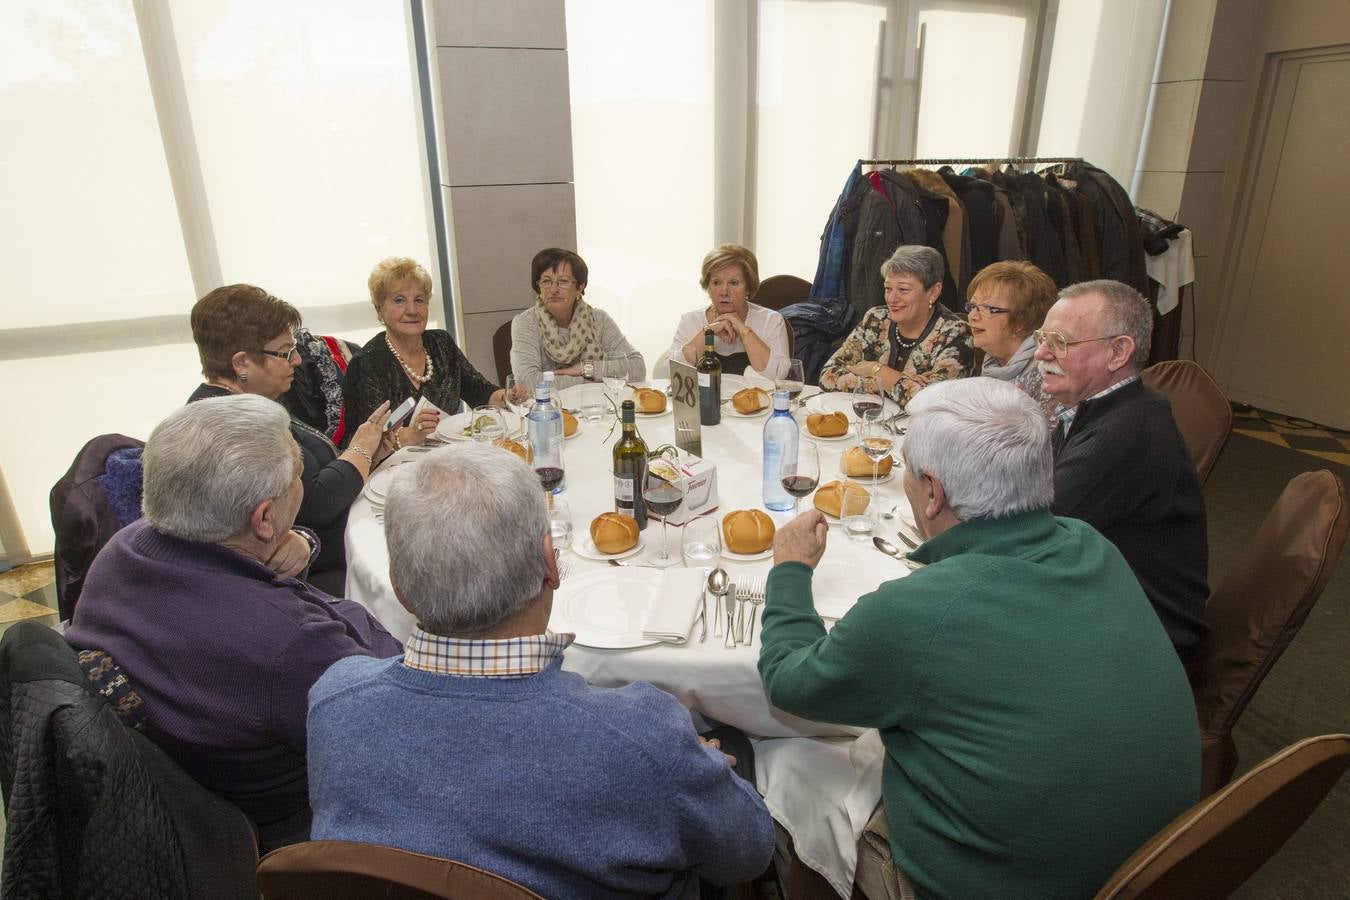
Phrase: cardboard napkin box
pixel 697 476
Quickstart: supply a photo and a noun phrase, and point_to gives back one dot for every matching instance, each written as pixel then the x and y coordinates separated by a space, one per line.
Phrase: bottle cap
pixel 780 398
pixel 626 415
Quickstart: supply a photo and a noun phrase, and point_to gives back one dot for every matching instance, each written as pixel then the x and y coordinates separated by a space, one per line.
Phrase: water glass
pixel 614 372
pixel 518 394
pixel 593 403
pixel 560 524
pixel 701 544
pixel 859 515
pixel 487 425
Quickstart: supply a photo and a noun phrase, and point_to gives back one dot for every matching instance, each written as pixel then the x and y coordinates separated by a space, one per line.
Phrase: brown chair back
pixel 778 291
pixel 501 351
pixel 1216 845
pixel 1259 607
pixel 345 870
pixel 1202 412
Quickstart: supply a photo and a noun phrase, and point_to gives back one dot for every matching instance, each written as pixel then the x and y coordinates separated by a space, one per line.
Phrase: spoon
pixel 890 549
pixel 719 585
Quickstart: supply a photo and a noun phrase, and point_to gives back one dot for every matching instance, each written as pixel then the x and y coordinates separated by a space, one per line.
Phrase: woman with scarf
pixel 1008 301
pixel 562 333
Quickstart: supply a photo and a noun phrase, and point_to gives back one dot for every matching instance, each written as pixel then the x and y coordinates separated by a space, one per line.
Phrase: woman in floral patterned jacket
pixel 902 347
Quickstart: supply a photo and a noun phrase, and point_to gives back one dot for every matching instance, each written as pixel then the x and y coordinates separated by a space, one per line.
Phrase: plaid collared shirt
pixel 1066 414
pixel 509 658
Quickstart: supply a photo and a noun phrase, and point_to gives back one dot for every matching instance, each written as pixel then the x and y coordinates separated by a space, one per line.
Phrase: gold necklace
pixel 417 379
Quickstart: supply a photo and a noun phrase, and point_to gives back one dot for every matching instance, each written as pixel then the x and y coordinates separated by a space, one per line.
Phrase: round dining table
pixel 820 780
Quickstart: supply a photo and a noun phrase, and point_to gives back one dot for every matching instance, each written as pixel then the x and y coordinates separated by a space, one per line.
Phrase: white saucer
pixel 585 548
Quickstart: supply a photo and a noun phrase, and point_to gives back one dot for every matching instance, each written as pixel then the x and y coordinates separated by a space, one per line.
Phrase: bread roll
pixel 827 424
pixel 569 424
pixel 515 447
pixel 749 400
pixel 648 400
pixel 829 498
pixel 857 464
pixel 747 531
pixel 614 533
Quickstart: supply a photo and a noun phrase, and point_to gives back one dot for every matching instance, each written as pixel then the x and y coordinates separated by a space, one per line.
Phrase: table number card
pixel 684 402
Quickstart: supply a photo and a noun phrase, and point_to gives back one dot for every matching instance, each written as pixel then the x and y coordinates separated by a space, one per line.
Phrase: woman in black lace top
pixel 406 360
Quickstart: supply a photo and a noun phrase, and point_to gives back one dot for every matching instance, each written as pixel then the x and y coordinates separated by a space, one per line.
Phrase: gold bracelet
pixel 877 370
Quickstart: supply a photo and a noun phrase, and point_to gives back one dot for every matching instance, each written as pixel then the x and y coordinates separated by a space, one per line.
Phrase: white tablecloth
pixel 821 791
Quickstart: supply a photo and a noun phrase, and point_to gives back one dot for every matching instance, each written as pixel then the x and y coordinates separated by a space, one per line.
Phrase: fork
pixel 749 593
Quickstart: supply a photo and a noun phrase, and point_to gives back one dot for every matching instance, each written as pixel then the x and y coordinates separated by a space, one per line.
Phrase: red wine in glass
pixel 799 485
pixel 549 476
pixel 663 501
pixel 862 406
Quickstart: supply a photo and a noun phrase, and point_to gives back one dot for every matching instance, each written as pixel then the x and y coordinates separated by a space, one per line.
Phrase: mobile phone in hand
pixel 400 415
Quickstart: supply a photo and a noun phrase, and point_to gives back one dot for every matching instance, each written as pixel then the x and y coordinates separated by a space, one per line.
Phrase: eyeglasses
pixel 286 353
pixel 564 283
pixel 1059 345
pixel 986 309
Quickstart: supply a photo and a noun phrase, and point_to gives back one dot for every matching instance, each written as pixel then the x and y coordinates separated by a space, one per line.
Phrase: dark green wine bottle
pixel 709 383
pixel 630 469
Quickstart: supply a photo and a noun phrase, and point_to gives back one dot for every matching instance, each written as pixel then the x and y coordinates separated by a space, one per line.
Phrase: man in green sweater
pixel 1038 725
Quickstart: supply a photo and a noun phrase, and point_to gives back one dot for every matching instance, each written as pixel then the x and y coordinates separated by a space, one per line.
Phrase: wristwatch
pixel 588 369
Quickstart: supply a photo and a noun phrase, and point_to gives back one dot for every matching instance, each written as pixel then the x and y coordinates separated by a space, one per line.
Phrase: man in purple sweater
pixel 197 605
pixel 477 746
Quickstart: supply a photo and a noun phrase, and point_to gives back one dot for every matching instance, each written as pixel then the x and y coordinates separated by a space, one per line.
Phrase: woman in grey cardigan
pixel 561 332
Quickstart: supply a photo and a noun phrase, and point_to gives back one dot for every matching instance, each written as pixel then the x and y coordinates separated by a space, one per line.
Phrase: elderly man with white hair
pixel 1121 465
pixel 198 607
pixel 1038 726
pixel 477 746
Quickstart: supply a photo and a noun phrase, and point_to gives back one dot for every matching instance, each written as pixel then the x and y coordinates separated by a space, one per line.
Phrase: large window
pixel 831 81
pixel 155 151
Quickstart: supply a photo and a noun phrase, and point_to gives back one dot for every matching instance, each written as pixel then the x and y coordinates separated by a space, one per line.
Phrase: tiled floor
pixel 28 592
pixel 1295 434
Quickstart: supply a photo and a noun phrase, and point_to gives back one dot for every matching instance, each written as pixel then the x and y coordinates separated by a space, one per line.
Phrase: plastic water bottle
pixel 780 449
pixel 544 428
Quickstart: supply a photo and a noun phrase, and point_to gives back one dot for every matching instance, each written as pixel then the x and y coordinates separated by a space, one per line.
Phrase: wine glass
pixel 547 458
pixel 865 396
pixel 560 523
pixel 662 498
pixel 800 476
pixel 701 543
pixel 793 380
pixel 876 441
pixel 518 395
pixel 614 372
pixel 487 425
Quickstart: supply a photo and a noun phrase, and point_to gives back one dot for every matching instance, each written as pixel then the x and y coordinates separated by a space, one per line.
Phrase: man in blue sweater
pixel 476 746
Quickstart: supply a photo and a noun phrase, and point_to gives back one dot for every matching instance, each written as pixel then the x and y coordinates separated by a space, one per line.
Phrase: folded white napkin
pixel 678 601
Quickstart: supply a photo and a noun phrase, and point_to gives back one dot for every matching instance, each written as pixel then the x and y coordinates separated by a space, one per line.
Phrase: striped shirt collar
pixel 476 658
pixel 1067 413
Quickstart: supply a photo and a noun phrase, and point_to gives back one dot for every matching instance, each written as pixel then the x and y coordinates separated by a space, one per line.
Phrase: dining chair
pixel 346 870
pixel 1216 845
pixel 501 350
pixel 1202 412
pixel 778 291
pixel 1259 607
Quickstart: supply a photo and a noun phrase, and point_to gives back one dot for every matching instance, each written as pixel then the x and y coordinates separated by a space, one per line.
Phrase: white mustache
pixel 1048 368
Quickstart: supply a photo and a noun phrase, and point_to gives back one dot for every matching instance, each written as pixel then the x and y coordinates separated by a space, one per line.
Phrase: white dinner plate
pixel 377 488
pixel 585 547
pixel 747 557
pixel 606 609
pixel 846 436
pixel 452 427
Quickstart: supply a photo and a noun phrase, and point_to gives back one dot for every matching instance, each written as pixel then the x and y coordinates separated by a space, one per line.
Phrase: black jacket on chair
pixel 94 808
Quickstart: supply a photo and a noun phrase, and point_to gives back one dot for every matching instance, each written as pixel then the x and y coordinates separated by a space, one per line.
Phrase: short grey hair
pixel 465 527
pixel 210 463
pixel 923 263
pixel 1125 312
pixel 986 441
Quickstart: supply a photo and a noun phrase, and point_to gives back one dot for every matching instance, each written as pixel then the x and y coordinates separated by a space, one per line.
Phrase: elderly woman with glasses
pixel 246 340
pixel 561 332
pixel 1008 302
pixel 909 343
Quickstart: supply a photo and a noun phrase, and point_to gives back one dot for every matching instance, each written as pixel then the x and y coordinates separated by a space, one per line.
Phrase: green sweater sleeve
pixel 853 675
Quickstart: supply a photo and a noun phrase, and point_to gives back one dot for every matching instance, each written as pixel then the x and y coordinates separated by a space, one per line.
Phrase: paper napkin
pixel 679 599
